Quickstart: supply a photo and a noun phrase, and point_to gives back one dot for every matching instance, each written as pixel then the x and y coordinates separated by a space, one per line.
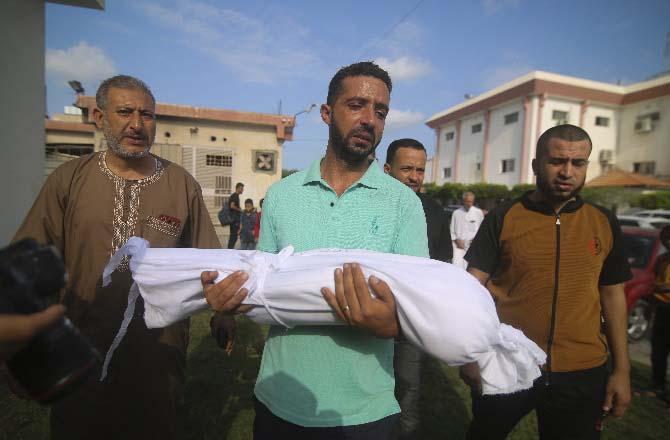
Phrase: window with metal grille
pixel 219 160
pixel 507 165
pixel 559 116
pixel 449 136
pixel 74 150
pixel 222 189
pixel 602 121
pixel 477 128
pixel 446 172
pixel 644 167
pixel 511 118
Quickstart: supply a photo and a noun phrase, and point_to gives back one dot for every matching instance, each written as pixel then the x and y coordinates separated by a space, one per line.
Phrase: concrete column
pixel 457 150
pixel 436 157
pixel 485 149
pixel 22 93
pixel 523 165
pixel 582 111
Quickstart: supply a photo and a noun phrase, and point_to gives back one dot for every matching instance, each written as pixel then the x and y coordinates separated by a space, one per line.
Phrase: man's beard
pixel 114 144
pixel 549 192
pixel 346 149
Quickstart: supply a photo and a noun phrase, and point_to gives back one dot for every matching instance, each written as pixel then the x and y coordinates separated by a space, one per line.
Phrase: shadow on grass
pixel 219 388
pixel 444 403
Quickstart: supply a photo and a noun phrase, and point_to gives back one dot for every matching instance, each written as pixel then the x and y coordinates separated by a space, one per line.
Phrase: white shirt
pixel 465 224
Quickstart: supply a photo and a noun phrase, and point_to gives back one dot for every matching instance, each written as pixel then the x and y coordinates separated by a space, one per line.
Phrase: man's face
pixel 248 207
pixel 128 123
pixel 240 189
pixel 561 171
pixel 409 166
pixel 357 117
pixel 468 201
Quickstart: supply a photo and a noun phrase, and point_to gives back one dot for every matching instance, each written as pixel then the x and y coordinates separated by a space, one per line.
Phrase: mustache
pixel 363 130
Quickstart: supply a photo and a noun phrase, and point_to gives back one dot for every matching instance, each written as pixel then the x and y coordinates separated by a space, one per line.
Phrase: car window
pixel 659 224
pixel 628 222
pixel 638 250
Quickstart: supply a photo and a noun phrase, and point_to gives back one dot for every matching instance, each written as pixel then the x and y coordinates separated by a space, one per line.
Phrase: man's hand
pixel 617 394
pixel 226 295
pixel 353 304
pixel 17 330
pixel 469 373
pixel 223 328
pixel 460 243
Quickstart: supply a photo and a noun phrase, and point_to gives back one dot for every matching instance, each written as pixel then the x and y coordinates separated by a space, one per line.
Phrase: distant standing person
pixel 247 224
pixel 464 225
pixel 235 212
pixel 660 336
pixel 257 226
pixel 406 161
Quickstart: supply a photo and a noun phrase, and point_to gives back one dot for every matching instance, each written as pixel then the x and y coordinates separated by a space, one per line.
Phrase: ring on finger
pixel 346 308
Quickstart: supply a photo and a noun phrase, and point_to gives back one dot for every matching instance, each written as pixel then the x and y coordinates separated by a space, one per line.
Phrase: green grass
pixel 217 402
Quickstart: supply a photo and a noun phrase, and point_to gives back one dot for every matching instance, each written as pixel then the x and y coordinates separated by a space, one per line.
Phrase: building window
pixel 479 166
pixel 219 160
pixel 446 173
pixel 477 128
pixel 507 165
pixel 222 189
pixel 602 121
pixel 560 117
pixel 73 150
pixel 511 118
pixel 644 167
pixel 449 136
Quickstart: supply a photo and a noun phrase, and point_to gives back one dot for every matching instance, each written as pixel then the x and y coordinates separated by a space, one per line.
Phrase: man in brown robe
pixel 88 208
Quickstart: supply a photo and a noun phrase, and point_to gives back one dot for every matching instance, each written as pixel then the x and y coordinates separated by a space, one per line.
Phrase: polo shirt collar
pixel 372 178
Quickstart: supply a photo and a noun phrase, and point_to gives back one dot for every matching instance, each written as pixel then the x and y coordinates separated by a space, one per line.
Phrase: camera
pixel 59 358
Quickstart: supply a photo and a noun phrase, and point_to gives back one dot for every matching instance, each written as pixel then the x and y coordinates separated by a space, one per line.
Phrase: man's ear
pixel 98 115
pixel 387 168
pixel 534 165
pixel 326 114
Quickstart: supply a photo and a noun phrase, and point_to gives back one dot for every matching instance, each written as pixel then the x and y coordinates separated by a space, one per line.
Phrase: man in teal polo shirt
pixel 337 381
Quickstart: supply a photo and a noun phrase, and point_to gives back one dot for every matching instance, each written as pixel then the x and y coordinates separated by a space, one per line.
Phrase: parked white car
pixel 662 213
pixel 643 222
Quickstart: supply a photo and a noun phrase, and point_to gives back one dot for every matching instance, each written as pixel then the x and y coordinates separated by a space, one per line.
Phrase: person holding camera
pixel 17 330
pixel 88 208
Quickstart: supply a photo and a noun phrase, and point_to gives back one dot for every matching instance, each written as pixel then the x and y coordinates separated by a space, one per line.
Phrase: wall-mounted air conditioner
pixel 606 156
pixel 644 125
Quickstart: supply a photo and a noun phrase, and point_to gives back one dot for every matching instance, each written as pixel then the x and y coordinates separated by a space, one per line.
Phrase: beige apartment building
pixel 491 137
pixel 218 147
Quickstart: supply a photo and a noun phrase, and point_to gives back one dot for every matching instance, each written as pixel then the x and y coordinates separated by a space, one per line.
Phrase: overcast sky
pixel 251 55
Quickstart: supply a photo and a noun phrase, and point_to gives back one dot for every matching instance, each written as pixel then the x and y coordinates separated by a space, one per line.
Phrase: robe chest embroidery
pixel 166 224
pixel 126 204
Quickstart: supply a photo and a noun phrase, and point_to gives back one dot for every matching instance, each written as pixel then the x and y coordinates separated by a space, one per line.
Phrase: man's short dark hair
pixel 402 143
pixel 238 184
pixel 364 68
pixel 120 82
pixel 251 202
pixel 566 132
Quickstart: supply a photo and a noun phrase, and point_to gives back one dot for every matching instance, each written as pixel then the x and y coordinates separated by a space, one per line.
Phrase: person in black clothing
pixel 235 212
pixel 406 161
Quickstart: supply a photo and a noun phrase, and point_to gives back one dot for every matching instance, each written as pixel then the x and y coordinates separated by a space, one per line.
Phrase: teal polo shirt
pixel 335 375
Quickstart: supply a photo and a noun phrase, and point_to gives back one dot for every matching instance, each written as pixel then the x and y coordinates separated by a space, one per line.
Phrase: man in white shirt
pixel 464 225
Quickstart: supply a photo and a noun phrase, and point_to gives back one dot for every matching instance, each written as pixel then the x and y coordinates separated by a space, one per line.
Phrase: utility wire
pixel 388 32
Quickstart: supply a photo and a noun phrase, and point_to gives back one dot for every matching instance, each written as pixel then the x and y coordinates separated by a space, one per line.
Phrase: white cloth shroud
pixel 442 309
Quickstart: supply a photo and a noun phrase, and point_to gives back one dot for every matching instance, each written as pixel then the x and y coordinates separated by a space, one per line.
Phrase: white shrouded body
pixel 442 309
